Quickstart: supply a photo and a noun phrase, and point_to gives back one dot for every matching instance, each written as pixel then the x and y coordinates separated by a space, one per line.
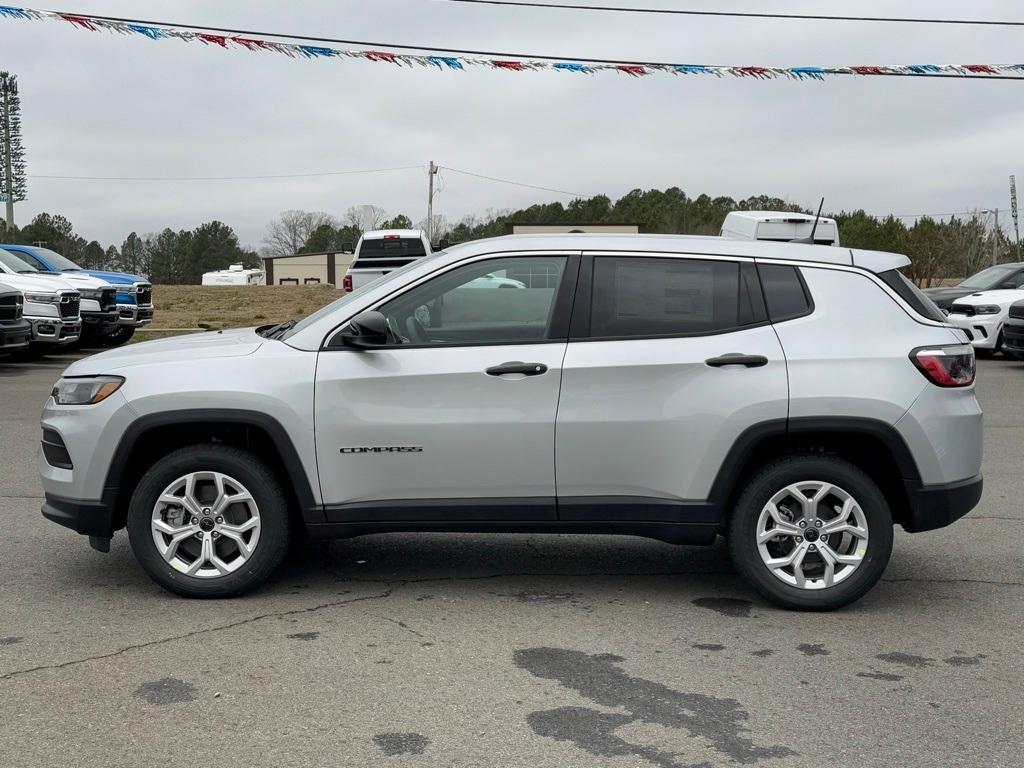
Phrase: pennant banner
pixel 448 62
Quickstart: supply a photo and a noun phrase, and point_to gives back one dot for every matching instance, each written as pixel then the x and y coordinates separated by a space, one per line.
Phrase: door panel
pixel 461 404
pixel 649 418
pixel 465 434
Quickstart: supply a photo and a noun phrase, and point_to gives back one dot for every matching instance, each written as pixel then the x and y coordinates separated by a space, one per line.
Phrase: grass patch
pixel 226 306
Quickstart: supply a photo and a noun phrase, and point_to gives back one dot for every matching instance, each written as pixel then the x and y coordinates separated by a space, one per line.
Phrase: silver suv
pixel 798 400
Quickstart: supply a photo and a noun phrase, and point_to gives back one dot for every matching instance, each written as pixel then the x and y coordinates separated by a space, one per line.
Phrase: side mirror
pixel 1009 285
pixel 367 330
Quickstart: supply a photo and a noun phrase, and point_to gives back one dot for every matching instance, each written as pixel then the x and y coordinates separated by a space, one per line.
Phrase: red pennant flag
pixel 515 66
pixel 250 44
pixel 633 70
pixel 391 58
pixel 868 70
pixel 981 69
pixel 79 21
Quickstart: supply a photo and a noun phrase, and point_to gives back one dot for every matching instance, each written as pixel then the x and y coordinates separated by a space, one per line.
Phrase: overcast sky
pixel 96 104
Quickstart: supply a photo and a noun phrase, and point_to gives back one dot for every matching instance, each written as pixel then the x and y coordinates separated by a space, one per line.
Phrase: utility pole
pixel 995 240
pixel 431 173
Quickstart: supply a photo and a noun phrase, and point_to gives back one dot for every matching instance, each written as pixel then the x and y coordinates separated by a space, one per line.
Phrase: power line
pixel 373 44
pixel 742 14
pixel 514 183
pixel 226 178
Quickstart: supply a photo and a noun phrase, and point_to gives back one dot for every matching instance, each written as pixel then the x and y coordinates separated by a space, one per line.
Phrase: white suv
pixel 983 315
pixel 797 399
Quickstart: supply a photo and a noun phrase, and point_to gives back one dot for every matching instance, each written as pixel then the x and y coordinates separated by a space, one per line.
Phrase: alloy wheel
pixel 206 524
pixel 812 535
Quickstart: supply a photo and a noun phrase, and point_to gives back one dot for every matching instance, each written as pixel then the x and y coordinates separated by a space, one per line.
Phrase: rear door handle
pixel 735 358
pixel 527 369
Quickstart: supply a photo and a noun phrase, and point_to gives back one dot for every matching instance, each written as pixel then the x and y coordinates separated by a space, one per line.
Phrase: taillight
pixel 951 366
pixel 346 283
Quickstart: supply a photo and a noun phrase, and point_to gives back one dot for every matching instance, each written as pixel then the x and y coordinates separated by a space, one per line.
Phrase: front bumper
pixel 15 335
pixel 54 330
pixel 134 315
pixel 936 506
pixel 100 323
pixel 1013 336
pixel 984 329
pixel 89 518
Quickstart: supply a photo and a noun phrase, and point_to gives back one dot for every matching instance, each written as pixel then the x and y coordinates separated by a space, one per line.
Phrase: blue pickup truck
pixel 134 293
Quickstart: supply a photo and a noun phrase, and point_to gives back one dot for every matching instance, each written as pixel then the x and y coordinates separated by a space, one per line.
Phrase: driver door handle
pixel 527 369
pixel 735 358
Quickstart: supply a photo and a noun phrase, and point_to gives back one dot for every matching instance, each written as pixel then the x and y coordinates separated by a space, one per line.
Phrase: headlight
pixel 42 298
pixel 88 293
pixel 87 390
pixel 987 309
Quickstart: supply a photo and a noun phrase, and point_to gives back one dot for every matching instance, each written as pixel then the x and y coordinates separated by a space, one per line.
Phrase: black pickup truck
pixel 14 329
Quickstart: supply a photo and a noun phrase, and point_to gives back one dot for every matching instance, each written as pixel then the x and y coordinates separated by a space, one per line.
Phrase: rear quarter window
pixel 911 294
pixel 785 292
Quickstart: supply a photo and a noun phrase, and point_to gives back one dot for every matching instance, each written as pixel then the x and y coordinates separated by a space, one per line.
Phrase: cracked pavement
pixel 473 650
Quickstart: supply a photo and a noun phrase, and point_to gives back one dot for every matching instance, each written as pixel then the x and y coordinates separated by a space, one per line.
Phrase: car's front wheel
pixel 811 532
pixel 120 335
pixel 209 521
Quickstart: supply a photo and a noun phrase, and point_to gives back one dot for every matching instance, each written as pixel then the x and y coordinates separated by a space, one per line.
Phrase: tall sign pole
pixel 7 191
pixel 1013 207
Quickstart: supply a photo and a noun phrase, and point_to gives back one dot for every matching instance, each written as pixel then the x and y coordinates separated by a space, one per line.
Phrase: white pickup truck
pixel 381 251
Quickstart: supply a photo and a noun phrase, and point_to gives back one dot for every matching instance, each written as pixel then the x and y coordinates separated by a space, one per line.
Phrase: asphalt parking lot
pixel 471 650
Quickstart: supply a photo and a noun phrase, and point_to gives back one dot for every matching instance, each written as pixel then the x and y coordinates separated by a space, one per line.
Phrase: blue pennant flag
pixel 313 51
pixel 14 13
pixel 151 32
pixel 692 69
pixel 818 73
pixel 445 61
pixel 570 66
pixel 921 69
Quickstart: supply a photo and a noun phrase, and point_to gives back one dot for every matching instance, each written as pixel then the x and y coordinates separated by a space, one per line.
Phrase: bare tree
pixel 291 230
pixel 365 217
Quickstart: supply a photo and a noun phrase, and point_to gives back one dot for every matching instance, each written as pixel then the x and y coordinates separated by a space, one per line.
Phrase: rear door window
pixel 911 294
pixel 648 297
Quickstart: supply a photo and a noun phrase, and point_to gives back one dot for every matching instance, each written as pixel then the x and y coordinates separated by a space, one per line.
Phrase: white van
pixel 382 250
pixel 779 226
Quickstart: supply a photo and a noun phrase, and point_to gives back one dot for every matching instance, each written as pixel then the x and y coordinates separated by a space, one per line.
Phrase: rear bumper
pixel 936 506
pixel 15 335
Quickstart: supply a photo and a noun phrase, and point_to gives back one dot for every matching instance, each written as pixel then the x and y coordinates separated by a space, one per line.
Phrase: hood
pixel 194 346
pixel 1003 298
pixel 77 279
pixel 950 290
pixel 45 284
pixel 116 278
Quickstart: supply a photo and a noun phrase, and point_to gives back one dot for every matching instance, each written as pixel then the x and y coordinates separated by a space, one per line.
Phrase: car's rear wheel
pixel 811 532
pixel 209 521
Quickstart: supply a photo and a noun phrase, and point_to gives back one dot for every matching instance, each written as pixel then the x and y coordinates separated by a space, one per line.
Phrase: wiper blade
pixel 275 331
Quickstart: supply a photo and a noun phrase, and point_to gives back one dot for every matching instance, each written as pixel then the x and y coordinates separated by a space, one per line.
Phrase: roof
pixel 875 261
pixel 777 216
pixel 336 252
pixel 380 234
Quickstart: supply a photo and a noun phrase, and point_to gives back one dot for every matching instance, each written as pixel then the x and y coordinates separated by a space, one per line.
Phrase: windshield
pixel 14 264
pixel 335 305
pixel 989 278
pixel 58 261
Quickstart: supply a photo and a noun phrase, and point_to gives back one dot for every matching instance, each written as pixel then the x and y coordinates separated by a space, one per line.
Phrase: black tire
pixel 773 478
pixel 258 478
pixel 121 335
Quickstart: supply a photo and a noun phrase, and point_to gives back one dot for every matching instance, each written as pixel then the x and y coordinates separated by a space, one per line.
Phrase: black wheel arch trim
pixel 311 510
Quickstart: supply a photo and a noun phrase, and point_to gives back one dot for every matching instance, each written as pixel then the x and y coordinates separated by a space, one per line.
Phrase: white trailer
pixel 236 274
